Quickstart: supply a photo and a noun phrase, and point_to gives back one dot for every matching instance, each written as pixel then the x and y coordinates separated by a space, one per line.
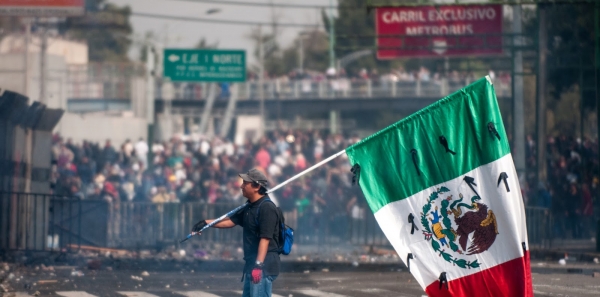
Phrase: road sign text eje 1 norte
pixel 205 65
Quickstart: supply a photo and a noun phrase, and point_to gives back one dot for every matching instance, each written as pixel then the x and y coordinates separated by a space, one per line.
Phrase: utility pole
pixel 301 54
pixel 541 94
pixel 28 132
pixel 26 56
pixel 208 106
pixel 518 113
pixel 150 100
pixel 261 77
pixel 331 37
pixel 43 66
pixel 597 83
pixel 334 115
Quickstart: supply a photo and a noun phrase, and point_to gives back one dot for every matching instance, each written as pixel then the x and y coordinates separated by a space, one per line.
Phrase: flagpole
pixel 306 171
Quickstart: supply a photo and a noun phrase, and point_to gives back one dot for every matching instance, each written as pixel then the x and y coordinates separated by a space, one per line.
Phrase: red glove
pixel 256 274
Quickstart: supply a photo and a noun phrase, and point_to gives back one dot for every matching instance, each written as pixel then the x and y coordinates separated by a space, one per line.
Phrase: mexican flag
pixel 444 190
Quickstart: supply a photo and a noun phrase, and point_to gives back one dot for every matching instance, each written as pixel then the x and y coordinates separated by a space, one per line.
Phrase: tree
pixel 350 26
pixel 271 51
pixel 202 43
pixel 354 30
pixel 570 43
pixel 272 55
pixel 106 28
pixel 144 46
pixel 314 46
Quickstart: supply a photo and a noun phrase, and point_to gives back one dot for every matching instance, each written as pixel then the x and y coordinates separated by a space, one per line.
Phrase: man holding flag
pixel 260 236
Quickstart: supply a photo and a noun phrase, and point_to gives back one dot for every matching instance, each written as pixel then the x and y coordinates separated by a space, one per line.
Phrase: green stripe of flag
pixel 388 172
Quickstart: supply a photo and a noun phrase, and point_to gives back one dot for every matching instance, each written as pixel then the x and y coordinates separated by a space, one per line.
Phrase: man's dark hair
pixel 262 190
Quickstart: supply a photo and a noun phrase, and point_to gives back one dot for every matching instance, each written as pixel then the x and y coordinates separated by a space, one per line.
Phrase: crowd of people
pixel 571 191
pixel 197 169
pixel 422 74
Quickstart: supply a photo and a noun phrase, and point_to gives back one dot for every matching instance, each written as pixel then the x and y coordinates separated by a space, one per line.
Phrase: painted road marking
pixel 75 294
pixel 272 295
pixel 197 294
pixel 380 291
pixel 317 293
pixel 242 292
pixel 136 294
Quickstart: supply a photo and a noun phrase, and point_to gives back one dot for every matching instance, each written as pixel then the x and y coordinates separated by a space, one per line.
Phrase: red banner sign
pixel 428 31
pixel 42 7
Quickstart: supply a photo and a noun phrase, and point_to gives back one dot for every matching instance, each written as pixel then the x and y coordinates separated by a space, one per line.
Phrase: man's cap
pixel 254 175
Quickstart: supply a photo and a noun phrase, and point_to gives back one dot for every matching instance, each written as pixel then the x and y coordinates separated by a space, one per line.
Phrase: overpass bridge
pixel 299 104
pixel 358 103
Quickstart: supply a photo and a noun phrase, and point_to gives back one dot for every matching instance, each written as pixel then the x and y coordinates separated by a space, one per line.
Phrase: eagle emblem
pixel 457 228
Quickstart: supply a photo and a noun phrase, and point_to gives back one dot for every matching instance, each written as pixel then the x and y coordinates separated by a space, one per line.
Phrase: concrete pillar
pixel 334 120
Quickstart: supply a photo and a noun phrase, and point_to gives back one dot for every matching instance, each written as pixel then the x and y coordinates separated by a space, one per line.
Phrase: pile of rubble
pixel 188 253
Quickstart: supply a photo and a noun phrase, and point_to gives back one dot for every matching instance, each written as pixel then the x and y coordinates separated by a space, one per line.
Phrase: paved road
pixel 103 283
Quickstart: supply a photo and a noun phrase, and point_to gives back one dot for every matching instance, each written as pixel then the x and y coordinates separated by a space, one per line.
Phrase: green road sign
pixel 205 65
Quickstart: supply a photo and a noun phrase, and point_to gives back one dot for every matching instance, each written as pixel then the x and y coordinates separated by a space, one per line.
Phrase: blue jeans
pixel 262 289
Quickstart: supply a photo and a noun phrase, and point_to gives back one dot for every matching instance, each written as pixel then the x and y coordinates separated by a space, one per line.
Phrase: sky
pixel 185 34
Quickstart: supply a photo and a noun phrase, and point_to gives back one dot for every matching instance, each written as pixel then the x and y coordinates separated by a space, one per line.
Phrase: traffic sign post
pixel 208 65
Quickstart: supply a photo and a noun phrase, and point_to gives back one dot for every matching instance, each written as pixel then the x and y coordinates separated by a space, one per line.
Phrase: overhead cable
pixel 263 4
pixel 217 21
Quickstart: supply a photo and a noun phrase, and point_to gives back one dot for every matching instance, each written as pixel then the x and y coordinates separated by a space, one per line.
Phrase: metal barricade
pixel 539 227
pixel 42 222
pixel 38 222
pixel 136 225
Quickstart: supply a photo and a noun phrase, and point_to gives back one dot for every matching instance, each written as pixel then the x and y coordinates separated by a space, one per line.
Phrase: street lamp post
pixel 331 38
pixel 261 81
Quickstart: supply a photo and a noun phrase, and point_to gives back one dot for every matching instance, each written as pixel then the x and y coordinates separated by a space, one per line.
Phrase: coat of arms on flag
pixel 444 190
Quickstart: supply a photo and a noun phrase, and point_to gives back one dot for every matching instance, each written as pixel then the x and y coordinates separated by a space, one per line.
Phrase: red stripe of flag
pixel 512 278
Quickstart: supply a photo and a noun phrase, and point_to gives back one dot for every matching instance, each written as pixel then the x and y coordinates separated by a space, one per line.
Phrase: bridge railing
pixel 84 86
pixel 284 89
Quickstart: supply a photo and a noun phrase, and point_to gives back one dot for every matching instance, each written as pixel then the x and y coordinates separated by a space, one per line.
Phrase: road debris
pixel 94 264
pixel 137 278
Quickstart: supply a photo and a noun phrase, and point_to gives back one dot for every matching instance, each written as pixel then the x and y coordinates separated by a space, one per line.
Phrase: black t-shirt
pixel 267 228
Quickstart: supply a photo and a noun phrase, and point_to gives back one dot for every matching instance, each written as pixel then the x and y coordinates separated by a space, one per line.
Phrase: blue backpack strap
pixel 258 211
pixel 282 227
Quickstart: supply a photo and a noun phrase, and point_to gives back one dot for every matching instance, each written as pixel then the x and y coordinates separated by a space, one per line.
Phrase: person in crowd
pixel 109 155
pixel 141 150
pixel 544 198
pixel 86 170
pixel 573 210
pixel 587 211
pixel 161 196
